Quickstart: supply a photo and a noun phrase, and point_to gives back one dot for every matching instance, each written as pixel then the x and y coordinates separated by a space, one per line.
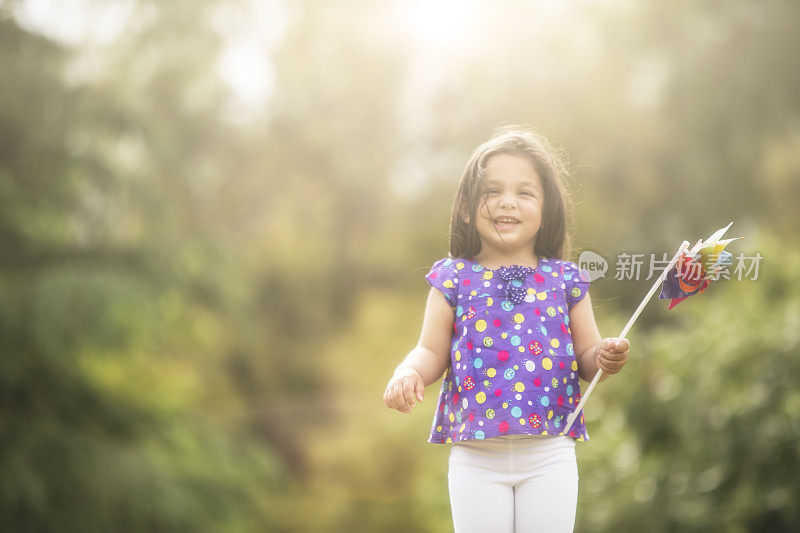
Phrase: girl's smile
pixel 505 223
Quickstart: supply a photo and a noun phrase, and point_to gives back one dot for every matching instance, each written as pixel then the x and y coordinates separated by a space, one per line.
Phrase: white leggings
pixel 514 483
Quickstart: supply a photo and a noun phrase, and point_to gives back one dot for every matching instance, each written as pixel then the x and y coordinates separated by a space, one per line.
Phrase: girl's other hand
pixel 402 389
pixel 611 354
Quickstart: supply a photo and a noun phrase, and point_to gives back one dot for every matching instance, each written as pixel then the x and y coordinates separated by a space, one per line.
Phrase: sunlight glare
pixel 438 25
pixel 250 34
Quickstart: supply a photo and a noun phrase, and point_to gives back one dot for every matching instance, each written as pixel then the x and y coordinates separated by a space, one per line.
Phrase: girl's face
pixel 511 216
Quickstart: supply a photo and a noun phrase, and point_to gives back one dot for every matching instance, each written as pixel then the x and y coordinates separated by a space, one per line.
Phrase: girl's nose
pixel 508 200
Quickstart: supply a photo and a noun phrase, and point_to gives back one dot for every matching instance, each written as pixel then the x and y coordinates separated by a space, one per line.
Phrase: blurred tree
pixel 111 313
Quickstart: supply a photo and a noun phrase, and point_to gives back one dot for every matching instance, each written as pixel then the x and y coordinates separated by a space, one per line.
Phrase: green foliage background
pixel 200 304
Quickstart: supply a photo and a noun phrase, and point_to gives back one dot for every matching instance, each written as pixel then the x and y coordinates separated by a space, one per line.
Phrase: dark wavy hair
pixel 552 240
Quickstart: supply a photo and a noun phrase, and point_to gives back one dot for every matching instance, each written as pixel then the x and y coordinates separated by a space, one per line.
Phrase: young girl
pixel 511 323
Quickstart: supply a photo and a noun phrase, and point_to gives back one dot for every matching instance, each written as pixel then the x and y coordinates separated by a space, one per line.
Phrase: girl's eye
pixel 529 193
pixel 492 191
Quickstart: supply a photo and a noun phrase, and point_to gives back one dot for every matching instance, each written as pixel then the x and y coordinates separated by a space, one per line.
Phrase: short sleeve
pixel 444 277
pixel 576 283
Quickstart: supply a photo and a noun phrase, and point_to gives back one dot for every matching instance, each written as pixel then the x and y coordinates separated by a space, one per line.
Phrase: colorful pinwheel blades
pixel 696 268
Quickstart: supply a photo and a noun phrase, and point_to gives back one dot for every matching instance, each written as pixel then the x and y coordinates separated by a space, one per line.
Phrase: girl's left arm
pixel 592 352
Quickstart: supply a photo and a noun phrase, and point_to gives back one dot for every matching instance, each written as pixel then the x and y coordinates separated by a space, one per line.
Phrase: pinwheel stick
pixel 574 416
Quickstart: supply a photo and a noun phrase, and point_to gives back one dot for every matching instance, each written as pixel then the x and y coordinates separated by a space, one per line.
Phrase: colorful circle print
pixel 512 365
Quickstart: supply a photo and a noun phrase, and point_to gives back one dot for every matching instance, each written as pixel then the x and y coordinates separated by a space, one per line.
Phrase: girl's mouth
pixel 505 223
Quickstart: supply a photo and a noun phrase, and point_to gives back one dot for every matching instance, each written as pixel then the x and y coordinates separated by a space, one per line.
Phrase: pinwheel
pixel 688 273
pixel 694 269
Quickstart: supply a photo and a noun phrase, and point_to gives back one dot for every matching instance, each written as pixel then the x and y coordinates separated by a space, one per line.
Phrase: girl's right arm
pixel 426 363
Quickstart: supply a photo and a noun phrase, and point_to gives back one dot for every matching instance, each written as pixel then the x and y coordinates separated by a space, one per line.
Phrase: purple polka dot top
pixel 512 363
